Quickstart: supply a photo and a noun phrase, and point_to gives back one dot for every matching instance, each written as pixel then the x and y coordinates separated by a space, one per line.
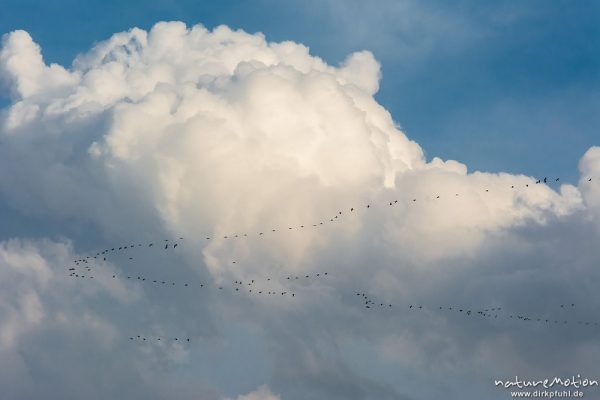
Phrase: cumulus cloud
pixel 225 131
pixel 185 131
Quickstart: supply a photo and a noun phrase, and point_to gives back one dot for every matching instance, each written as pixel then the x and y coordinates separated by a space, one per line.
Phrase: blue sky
pixel 501 86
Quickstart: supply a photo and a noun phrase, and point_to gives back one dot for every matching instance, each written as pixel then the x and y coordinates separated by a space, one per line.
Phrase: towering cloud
pixel 189 132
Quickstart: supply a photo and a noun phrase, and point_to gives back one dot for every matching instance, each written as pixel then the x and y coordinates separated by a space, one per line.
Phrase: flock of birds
pixel 104 253
pixel 168 244
pixel 251 286
pixel 159 339
pixel 83 270
pixel 491 313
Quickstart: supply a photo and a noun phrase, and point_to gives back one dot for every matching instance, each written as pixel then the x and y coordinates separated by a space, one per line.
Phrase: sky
pixel 389 155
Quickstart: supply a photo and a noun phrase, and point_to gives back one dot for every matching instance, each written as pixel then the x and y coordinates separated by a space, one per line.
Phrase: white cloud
pixel 35 293
pixel 24 69
pixel 224 131
pixel 185 131
pixel 25 272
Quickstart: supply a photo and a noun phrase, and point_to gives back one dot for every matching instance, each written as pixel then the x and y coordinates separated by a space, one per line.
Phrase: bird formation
pixel 104 253
pixel 85 263
pixel 567 305
pixel 168 244
pixel 237 286
pixel 140 338
pixel 250 287
pixel 490 313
